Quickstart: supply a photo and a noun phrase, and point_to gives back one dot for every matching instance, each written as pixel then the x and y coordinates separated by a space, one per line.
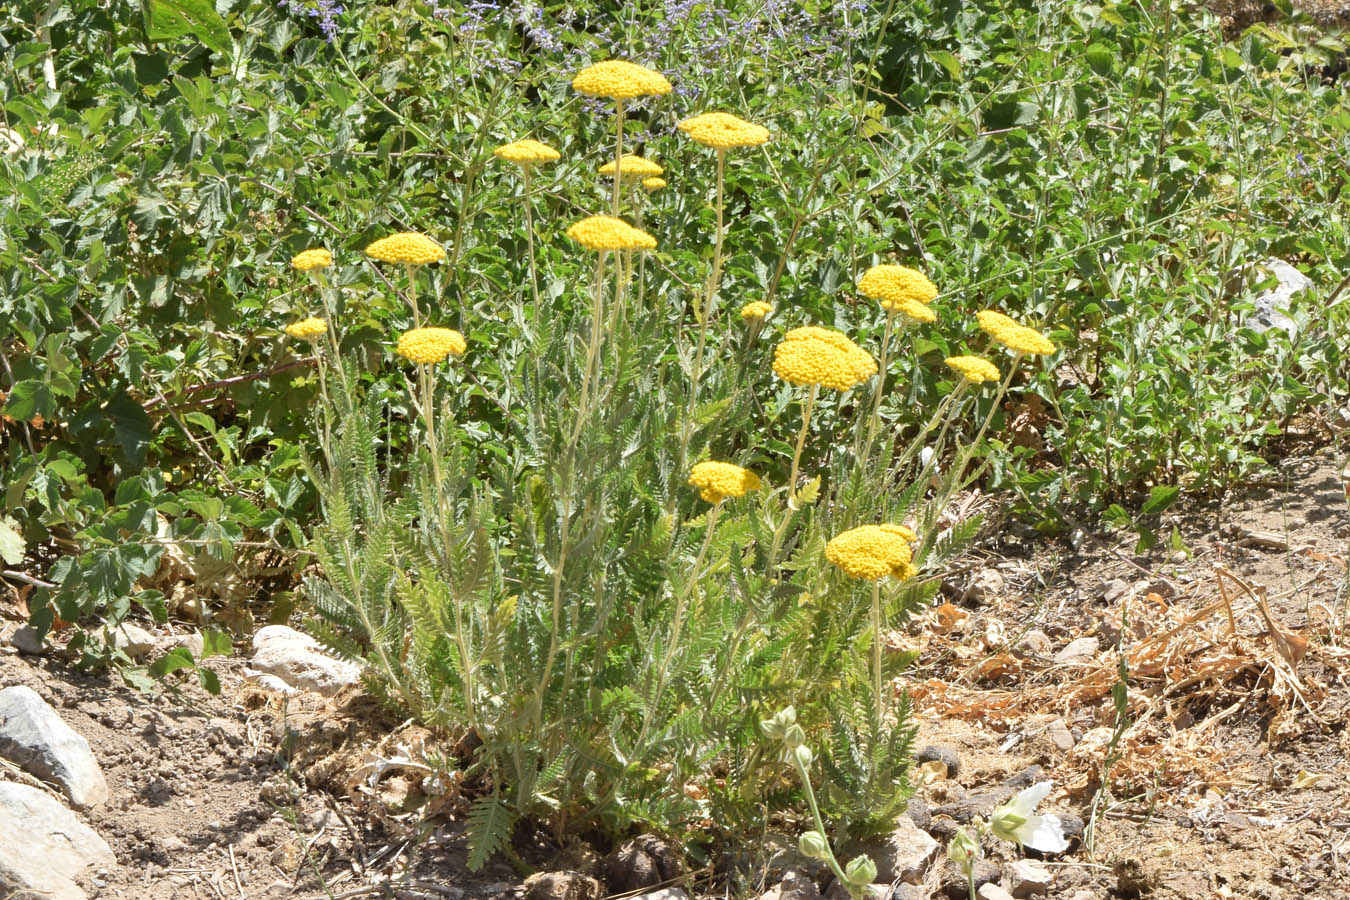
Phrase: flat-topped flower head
pixel 620 80
pixel 896 285
pixel 312 260
pixel 755 310
pixel 913 310
pixel 307 329
pixel 428 346
pixel 813 355
pixel 527 152
pixel 406 247
pixel 1014 336
pixel 653 184
pixel 723 130
pixel 974 369
pixel 717 481
pixel 609 233
pixel 871 552
pixel 633 166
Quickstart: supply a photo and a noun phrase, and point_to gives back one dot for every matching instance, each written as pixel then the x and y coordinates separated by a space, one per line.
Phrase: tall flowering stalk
pixel 527 154
pixel 721 131
pixel 412 251
pixel 619 81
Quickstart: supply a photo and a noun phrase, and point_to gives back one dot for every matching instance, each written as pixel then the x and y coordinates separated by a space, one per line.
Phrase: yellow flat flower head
pixel 755 310
pixel 1014 336
pixel 620 80
pixel 723 130
pixel 871 552
pixel 813 355
pixel 428 346
pixel 307 329
pixel 974 369
pixel 406 247
pixel 895 285
pixel 913 310
pixel 312 260
pixel 717 481
pixel 527 152
pixel 609 233
pixel 653 184
pixel 632 166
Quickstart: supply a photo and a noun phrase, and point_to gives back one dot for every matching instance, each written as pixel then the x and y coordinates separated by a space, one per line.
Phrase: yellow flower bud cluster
pixel 718 480
pixel 527 152
pixel 1014 336
pixel 609 233
pixel 408 248
pixel 632 166
pixel 307 329
pixel 723 130
pixel 894 285
pixel 653 184
pixel 310 260
pixel 755 310
pixel 871 552
pixel 620 80
pixel 813 355
pixel 973 369
pixel 427 346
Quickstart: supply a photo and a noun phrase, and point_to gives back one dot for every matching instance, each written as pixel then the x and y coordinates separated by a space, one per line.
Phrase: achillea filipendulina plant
pixel 610 233
pixel 633 166
pixel 723 131
pixel 892 285
pixel 717 481
pixel 307 329
pixel 871 553
pixel 653 184
pixel 974 369
pixel 755 310
pixel 312 260
pixel 428 346
pixel 527 152
pixel 411 250
pixel 1018 338
pixel 620 81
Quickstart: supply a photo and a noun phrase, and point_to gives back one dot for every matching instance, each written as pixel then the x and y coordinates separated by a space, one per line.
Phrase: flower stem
pixel 801 442
pixel 529 237
pixel 876 647
pixel 618 154
pixel 810 793
pixel 704 313
pixel 874 420
pixel 412 294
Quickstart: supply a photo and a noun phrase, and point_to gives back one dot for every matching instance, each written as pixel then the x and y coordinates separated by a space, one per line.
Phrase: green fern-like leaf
pixel 489 829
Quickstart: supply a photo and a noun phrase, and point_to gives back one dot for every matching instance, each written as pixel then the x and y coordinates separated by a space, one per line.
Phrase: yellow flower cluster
pixel 609 233
pixel 527 152
pixel 427 346
pixel 974 369
pixel 307 329
pixel 406 247
pixel 632 166
pixel 813 355
pixel 912 309
pixel 723 130
pixel 310 260
pixel 1013 336
pixel 653 184
pixel 717 481
pixel 871 552
pixel 896 286
pixel 620 80
pixel 755 310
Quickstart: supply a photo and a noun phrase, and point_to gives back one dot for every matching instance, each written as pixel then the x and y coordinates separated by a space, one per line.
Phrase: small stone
pixel 1059 734
pixel 837 891
pixel 287 857
pixel 25 640
pixel 1035 642
pixel 985 584
pixel 904 856
pixel 918 812
pixel 1084 895
pixel 298 660
pixel 1077 651
pixel 1026 879
pixel 663 894
pixel 1114 589
pixel 992 891
pixel 133 640
pixel 946 755
pixel 33 736
pixel 955 885
pixel 1179 557
pixel 793 886
pixel 561 886
pixel 773 856
pixel 644 861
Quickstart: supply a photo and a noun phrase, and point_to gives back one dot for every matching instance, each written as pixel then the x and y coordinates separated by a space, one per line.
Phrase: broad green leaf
pixel 948 61
pixel 169 19
pixel 1161 497
pixel 11 542
pixel 175 659
pixel 216 643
